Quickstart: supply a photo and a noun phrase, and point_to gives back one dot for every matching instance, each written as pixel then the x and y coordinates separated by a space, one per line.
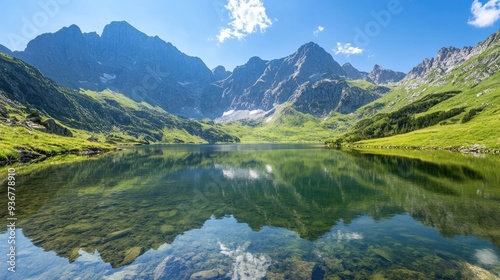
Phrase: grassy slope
pixel 14 138
pixel 288 125
pixel 111 118
pixel 482 129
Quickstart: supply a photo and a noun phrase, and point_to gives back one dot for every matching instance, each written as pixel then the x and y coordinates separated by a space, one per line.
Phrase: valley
pixel 126 88
pixel 250 139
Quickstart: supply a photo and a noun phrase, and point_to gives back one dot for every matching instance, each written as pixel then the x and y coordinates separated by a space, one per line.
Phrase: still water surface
pixel 258 212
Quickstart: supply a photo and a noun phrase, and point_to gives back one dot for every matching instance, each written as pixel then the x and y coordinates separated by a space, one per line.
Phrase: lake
pixel 257 212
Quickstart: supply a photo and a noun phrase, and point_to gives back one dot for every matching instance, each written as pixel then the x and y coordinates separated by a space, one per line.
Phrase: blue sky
pixel 395 34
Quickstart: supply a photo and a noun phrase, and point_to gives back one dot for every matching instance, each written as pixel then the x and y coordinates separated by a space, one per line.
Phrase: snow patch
pixel 107 77
pixel 228 113
pixel 234 115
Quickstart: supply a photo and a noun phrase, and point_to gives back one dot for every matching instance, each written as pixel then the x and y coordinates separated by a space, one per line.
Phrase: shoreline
pixel 28 157
pixel 475 149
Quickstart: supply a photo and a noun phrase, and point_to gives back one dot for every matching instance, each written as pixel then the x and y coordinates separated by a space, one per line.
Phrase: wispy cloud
pixel 484 15
pixel 347 49
pixel 247 17
pixel 318 30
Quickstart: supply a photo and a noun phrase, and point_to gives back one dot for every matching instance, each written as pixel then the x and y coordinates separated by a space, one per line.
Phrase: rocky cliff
pixel 382 76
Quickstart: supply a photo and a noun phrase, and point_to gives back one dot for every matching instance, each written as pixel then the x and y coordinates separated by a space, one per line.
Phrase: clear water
pixel 258 212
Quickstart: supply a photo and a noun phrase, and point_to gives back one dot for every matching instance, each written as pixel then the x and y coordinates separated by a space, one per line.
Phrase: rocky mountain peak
pixel 310 47
pixel 352 73
pixel 312 60
pixel 255 60
pixel 220 73
pixel 381 76
pixel 5 50
pixel 67 36
pixel 119 27
pixel 255 63
pixel 72 29
pixel 446 59
pixel 123 36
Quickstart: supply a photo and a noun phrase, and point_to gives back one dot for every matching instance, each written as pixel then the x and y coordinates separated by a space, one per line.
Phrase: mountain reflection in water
pixel 226 211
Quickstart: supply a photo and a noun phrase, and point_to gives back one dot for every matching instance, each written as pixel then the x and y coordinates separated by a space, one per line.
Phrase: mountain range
pixel 145 68
pixel 125 84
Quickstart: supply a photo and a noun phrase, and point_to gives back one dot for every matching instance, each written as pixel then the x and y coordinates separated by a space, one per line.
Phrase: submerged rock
pixel 304 270
pixel 475 272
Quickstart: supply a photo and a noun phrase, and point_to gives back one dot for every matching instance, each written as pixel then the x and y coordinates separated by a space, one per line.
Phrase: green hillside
pixel 39 117
pixel 460 109
pixel 288 125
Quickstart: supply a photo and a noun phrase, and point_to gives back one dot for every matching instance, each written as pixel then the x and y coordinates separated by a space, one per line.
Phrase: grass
pixel 111 97
pixel 177 135
pixel 361 84
pixel 14 138
pixel 286 125
pixel 481 129
pixel 477 124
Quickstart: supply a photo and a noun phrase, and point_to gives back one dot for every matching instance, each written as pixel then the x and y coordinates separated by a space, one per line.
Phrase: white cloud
pixel 484 15
pixel 247 17
pixel 347 49
pixel 318 30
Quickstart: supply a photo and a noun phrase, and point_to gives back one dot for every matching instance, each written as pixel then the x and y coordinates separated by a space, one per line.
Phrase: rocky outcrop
pixel 55 128
pixel 220 73
pixel 448 59
pixel 4 113
pixel 323 97
pixel 382 76
pixel 436 67
pixel 353 73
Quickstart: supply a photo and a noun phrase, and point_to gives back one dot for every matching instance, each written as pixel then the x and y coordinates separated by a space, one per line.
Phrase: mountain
pixel 309 79
pixel 445 60
pixel 353 73
pixel 145 68
pixel 449 58
pixel 122 59
pixel 450 101
pixel 24 90
pixel 5 50
pixel 220 73
pixel 260 85
pixel 378 75
pixel 382 76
